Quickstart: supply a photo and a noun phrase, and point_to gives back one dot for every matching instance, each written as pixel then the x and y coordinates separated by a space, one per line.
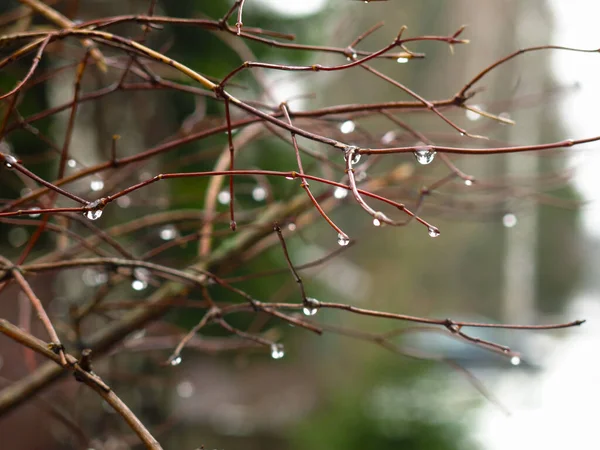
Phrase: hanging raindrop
pixel 277 351
pixel 34 215
pixel 351 151
pixel 402 60
pixel 311 306
pixel 94 211
pixel 141 279
pixel 343 240
pixel 176 361
pixel 433 232
pixel 469 182
pixel 424 156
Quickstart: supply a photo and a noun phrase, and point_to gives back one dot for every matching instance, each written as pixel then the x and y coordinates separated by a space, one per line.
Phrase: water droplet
pixel 469 182
pixel 472 115
pixel 424 156
pixel 289 178
pixel 340 193
pixel 72 163
pixel 176 361
pixel 351 152
pixel 402 60
pixel 277 351
pixel 353 57
pixel 347 127
pixel 10 161
pixel 93 214
pixel 291 226
pixel 141 279
pixel 34 215
pixel 433 232
pixel 224 197
pixel 259 193
pixel 311 306
pixel 343 240
pixel 185 389
pixel 168 233
pixel 388 137
pixel 515 360
pixel 509 220
pixel 376 222
pixel 97 185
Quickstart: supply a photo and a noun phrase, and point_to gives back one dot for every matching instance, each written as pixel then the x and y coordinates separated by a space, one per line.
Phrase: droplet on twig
pixel 141 279
pixel 10 161
pixel 402 60
pixel 424 156
pixel 351 152
pixel 515 360
pixel 311 306
pixel 176 361
pixel 433 232
pixel 343 240
pixel 34 215
pixel 469 182
pixel 94 211
pixel 277 351
pixel 168 233
pixel 473 115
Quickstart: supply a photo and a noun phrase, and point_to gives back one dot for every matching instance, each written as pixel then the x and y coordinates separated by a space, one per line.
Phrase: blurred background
pixel 520 245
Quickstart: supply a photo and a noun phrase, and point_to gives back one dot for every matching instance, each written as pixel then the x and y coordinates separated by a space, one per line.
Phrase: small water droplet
pixel 402 60
pixel 291 226
pixel 388 137
pixel 168 233
pixel 351 152
pixel 185 389
pixel 9 161
pixel 433 232
pixel 97 185
pixel 176 361
pixel 343 240
pixel 289 178
pixel 509 220
pixel 376 222
pixel 352 57
pixel 347 127
pixel 515 360
pixel 277 351
pixel 34 215
pixel 424 156
pixel 224 197
pixel 378 219
pixel 468 182
pixel 72 163
pixel 472 115
pixel 259 193
pixel 141 279
pixel 340 193
pixel 311 306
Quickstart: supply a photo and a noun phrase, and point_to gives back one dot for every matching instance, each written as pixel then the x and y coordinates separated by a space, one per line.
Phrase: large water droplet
pixel 509 220
pixel 176 361
pixel 224 197
pixel 424 156
pixel 277 351
pixel 34 215
pixel 10 161
pixel 93 214
pixel 72 163
pixel 168 233
pixel 259 193
pixel 402 60
pixel 311 306
pixel 351 152
pixel 515 360
pixel 347 127
pixel 433 232
pixel 340 193
pixel 343 240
